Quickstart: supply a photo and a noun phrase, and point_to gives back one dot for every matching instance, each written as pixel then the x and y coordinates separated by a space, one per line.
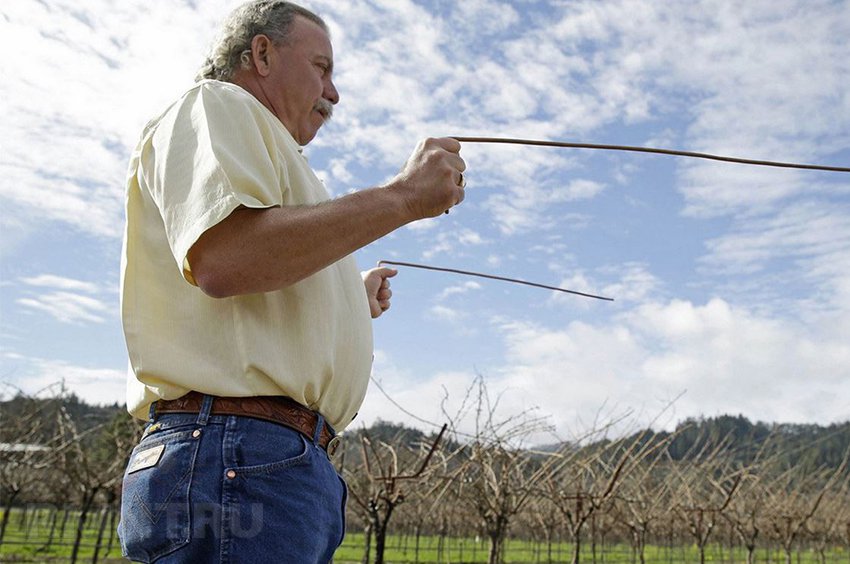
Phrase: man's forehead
pixel 310 34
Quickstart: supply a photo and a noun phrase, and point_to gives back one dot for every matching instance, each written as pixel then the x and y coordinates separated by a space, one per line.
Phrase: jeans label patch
pixel 145 459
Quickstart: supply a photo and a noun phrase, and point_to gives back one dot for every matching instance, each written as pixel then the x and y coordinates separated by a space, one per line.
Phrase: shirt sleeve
pixel 213 151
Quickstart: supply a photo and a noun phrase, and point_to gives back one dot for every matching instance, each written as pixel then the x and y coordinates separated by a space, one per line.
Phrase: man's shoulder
pixel 225 90
pixel 211 94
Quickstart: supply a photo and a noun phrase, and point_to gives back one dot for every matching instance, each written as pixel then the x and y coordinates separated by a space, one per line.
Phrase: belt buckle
pixel 333 446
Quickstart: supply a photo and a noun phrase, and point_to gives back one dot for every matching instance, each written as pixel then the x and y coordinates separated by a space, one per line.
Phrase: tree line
pixel 722 481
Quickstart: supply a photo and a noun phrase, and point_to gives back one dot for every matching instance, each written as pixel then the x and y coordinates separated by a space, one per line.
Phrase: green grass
pixel 25 542
pixel 401 550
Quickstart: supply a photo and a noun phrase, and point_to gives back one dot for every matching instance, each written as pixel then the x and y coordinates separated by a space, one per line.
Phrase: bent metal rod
pixel 492 277
pixel 692 154
pixel 571 145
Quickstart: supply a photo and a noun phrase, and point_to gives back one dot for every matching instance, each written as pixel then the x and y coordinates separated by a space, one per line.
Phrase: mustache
pixel 326 108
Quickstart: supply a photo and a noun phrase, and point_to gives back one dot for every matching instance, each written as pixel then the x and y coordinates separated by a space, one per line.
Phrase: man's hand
pixel 378 289
pixel 431 180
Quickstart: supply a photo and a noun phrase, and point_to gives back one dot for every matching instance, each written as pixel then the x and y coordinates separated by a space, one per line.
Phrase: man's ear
pixel 261 53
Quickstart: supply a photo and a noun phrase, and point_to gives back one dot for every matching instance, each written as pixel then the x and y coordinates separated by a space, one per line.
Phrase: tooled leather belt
pixel 277 409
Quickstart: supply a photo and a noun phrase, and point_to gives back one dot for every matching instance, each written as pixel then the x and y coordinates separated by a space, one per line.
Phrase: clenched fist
pixel 431 180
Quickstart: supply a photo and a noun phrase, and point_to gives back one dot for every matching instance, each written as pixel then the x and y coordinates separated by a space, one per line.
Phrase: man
pixel 247 323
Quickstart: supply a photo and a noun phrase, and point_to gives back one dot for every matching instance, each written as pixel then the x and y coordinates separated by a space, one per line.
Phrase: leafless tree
pixel 843 517
pixel 498 476
pixel 824 528
pixel 593 477
pixel 544 519
pixel 385 476
pixel 93 461
pixel 28 445
pixel 705 483
pixel 745 513
pixel 644 499
pixel 796 499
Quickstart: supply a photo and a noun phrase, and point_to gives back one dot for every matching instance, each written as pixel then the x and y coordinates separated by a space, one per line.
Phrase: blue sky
pixel 732 283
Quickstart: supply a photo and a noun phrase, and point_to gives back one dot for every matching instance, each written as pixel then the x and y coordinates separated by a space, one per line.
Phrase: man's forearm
pixel 262 250
pixel 265 250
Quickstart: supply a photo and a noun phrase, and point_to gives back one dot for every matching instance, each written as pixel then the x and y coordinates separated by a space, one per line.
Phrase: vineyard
pixel 722 490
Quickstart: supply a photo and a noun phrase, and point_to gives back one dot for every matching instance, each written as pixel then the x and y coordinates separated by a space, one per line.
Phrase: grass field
pixel 401 549
pixel 28 539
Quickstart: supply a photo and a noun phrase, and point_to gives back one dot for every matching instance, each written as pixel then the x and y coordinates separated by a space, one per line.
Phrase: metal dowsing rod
pixel 692 154
pixel 571 145
pixel 493 277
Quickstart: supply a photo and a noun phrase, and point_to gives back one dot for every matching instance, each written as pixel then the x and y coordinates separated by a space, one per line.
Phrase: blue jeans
pixel 207 489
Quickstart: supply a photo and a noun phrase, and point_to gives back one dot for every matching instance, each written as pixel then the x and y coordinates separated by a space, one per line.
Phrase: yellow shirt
pixel 215 149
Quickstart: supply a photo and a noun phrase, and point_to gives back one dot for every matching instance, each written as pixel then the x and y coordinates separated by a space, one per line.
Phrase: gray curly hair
pixel 232 48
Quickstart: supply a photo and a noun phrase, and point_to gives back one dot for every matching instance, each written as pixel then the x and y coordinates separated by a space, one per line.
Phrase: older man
pixel 246 320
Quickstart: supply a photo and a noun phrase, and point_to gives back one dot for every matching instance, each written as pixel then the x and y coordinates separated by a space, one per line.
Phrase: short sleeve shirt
pixel 217 149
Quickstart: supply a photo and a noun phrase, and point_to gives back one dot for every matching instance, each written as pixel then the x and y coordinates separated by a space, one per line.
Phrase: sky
pixel 731 283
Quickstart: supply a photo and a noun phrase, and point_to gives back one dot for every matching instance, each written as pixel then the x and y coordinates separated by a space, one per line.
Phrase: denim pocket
pixel 261 447
pixel 155 505
pixel 342 508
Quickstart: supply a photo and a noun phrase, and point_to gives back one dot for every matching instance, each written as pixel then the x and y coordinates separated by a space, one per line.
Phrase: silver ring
pixel 462 181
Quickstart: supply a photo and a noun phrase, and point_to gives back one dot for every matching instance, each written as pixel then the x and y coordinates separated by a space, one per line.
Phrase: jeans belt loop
pixel 206 407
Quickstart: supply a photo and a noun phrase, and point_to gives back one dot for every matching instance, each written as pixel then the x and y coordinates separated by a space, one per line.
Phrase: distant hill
pixel 21 412
pixel 808 444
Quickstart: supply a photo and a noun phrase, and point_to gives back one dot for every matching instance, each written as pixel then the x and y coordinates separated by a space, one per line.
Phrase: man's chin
pixel 308 136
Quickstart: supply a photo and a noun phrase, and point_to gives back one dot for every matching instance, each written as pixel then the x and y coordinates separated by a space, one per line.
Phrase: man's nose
pixel 331 94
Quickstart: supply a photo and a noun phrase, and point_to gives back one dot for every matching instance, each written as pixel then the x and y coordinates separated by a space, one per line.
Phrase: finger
pixel 457 162
pixel 448 143
pixel 461 194
pixel 385 272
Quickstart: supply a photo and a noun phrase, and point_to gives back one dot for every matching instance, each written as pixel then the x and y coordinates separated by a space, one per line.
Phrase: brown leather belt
pixel 277 409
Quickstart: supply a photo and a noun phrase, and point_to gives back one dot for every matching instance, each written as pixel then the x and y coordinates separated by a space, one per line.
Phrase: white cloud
pixel 396 395
pixel 580 69
pixel 801 230
pixel 674 360
pixel 725 359
pixel 453 243
pixel 339 169
pixel 68 300
pixel 494 261
pixel 487 16
pixel 752 84
pixel 636 284
pixel 579 189
pixel 458 289
pixel 423 225
pixel 81 96
pixel 733 360
pixel 633 284
pixel 445 313
pixel 794 263
pixel 60 282
pixel 92 385
pixel 68 307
